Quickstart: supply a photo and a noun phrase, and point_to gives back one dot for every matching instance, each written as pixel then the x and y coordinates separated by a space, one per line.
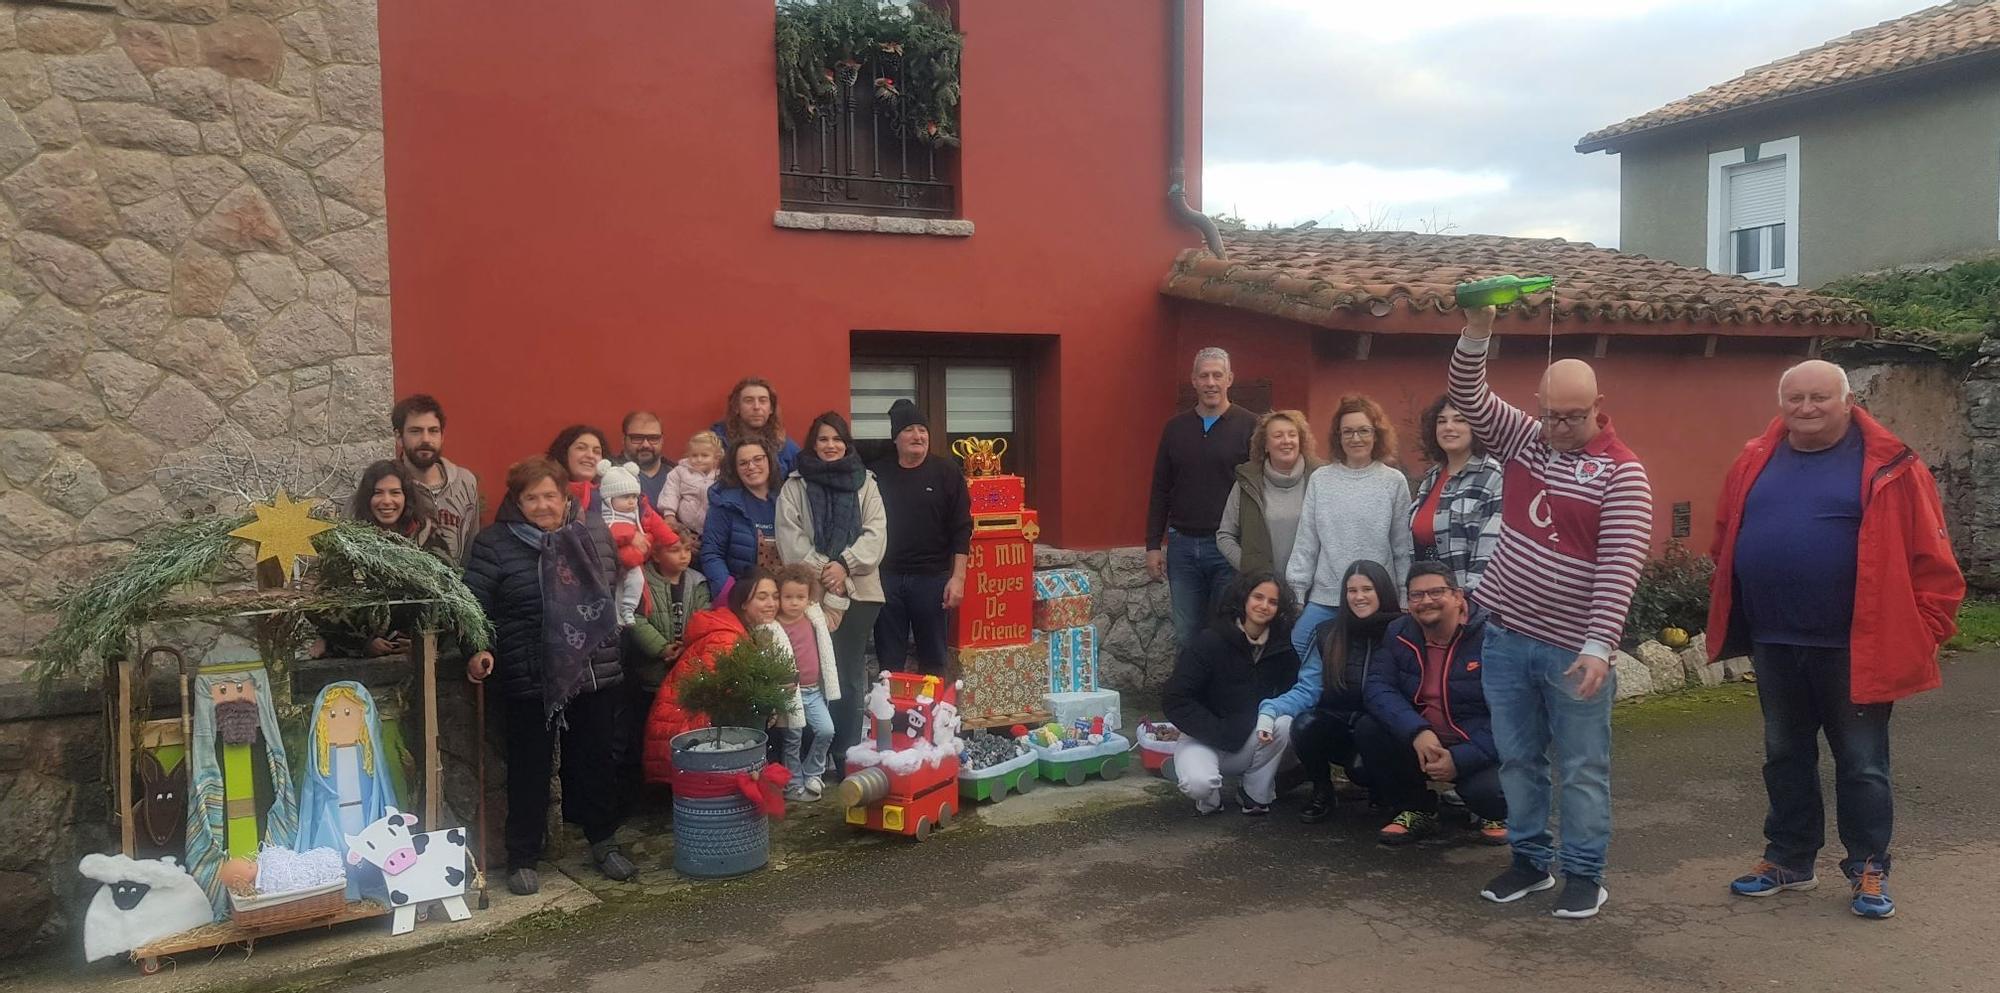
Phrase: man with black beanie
pixel 930 535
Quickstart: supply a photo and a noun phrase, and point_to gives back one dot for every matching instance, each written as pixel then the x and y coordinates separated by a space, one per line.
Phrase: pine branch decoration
pixel 745 686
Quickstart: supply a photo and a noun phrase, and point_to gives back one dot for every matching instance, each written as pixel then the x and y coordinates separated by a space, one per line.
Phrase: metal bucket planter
pixel 720 837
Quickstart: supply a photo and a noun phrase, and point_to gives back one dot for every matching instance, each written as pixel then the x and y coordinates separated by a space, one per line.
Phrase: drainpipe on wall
pixel 1177 132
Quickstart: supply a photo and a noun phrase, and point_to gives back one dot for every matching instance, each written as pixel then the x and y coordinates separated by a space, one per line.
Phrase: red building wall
pixel 580 209
pixel 1685 415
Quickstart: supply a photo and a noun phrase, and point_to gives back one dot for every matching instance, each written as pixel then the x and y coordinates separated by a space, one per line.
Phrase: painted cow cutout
pixel 418 868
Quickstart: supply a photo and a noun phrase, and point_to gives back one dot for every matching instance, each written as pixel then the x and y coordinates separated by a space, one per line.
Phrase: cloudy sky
pixel 1463 114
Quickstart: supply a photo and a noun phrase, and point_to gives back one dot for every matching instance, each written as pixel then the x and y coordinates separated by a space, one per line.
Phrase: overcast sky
pixel 1465 113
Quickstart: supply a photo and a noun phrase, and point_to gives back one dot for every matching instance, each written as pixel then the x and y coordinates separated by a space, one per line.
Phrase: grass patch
pixel 1665 710
pixel 1978 626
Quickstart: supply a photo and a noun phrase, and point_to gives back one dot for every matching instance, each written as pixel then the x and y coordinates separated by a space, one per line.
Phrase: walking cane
pixel 479 720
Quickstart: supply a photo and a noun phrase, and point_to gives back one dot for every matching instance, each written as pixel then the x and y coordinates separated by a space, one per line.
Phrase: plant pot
pixel 716 837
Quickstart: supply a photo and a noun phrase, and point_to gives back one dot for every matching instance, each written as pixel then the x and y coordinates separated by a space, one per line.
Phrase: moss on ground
pixel 1978 626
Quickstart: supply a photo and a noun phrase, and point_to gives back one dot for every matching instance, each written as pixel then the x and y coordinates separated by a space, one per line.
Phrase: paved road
pixel 1148 897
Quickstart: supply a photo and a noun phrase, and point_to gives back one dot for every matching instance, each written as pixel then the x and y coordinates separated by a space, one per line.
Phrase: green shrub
pixel 743 687
pixel 1949 309
pixel 1673 592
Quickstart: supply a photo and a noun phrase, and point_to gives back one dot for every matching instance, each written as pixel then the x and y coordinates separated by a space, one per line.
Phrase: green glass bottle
pixel 1499 291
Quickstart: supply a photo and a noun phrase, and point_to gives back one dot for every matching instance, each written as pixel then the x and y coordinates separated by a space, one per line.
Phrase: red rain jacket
pixel 1907 586
pixel 709 633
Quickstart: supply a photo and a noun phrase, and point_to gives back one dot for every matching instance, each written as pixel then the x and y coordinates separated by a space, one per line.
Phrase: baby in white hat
pixel 619 485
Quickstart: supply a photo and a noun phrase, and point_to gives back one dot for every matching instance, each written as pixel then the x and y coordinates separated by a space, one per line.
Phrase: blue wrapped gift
pixel 1054 584
pixel 1072 659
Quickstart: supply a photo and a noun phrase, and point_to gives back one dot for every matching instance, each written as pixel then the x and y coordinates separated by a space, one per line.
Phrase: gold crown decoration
pixel 980 455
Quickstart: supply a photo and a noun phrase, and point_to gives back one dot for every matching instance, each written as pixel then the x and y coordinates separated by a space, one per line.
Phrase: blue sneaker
pixel 1871 894
pixel 1769 879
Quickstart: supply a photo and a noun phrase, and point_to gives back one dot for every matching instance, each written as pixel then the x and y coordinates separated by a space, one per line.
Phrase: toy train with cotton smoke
pixel 903 776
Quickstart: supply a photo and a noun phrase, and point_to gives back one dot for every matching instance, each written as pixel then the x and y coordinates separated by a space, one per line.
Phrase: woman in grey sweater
pixel 1357 508
pixel 1261 519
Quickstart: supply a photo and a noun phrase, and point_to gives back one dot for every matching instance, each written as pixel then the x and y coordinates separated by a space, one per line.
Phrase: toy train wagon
pixel 1017 774
pixel 1072 766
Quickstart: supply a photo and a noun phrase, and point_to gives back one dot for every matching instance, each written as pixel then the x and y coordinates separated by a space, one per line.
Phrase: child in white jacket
pixel 801 628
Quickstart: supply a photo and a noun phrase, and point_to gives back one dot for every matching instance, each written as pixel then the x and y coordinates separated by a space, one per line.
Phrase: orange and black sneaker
pixel 1493 832
pixel 1408 827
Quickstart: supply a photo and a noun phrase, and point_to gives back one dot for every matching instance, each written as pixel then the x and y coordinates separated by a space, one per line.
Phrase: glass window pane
pixel 978 399
pixel 1777 246
pixel 871 390
pixel 1747 257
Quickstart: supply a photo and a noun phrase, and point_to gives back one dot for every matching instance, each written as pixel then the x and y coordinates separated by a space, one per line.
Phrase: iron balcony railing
pixel 855 154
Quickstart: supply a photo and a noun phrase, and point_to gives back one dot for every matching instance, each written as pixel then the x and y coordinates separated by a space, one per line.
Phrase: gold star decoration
pixel 283 531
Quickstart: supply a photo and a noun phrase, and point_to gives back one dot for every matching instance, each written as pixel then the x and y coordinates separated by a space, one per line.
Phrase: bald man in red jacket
pixel 1835 574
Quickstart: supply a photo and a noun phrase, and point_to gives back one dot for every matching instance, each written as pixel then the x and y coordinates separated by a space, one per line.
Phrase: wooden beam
pixel 1708 345
pixel 1362 342
pixel 123 755
pixel 433 762
pixel 1598 346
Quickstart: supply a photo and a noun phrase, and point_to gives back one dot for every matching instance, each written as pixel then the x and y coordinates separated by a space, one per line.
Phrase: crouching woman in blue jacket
pixel 1427 720
pixel 1242 659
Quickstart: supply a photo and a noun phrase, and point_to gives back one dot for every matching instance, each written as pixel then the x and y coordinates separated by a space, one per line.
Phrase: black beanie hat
pixel 903 414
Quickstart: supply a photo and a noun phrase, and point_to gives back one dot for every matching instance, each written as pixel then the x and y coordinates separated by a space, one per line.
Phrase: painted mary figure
pixel 346 785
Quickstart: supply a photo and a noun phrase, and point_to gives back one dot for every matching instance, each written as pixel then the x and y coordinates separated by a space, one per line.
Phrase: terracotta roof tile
pixel 1929 36
pixel 1332 278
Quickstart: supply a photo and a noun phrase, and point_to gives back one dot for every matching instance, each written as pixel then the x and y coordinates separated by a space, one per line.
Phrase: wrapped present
pixel 1068 708
pixel 1072 658
pixel 1003 684
pixel 1055 584
pixel 999 605
pixel 997 494
pixel 1062 612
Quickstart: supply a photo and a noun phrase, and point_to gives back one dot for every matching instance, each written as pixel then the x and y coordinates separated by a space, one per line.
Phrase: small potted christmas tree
pixel 719 828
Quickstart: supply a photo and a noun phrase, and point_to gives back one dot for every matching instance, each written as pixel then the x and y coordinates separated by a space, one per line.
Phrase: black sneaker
pixel 1518 881
pixel 1581 896
pixel 523 882
pixel 1252 808
pixel 1321 806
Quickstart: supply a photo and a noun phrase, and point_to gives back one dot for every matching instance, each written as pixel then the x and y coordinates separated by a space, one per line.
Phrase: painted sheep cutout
pixel 419 868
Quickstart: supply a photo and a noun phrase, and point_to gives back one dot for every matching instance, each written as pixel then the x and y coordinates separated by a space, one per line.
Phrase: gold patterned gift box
pixel 1002 683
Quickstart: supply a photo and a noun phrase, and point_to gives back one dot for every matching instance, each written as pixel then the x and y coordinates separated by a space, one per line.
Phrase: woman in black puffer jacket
pixel 545 576
pixel 1241 660
pixel 1324 736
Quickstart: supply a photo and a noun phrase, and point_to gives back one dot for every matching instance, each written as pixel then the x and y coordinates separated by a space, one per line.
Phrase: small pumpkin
pixel 1674 638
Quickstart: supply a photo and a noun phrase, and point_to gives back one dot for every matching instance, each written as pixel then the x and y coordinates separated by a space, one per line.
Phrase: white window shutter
pixel 979 399
pixel 1756 195
pixel 871 390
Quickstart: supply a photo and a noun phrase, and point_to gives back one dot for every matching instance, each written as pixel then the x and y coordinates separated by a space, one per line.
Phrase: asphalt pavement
pixel 1139 894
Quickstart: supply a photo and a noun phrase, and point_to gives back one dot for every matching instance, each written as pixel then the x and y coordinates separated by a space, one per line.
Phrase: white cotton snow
pixel 281 870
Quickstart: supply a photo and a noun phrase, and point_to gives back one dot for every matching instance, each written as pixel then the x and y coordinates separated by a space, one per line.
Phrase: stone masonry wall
pixel 196 260
pixel 1132 613
pixel 1951 417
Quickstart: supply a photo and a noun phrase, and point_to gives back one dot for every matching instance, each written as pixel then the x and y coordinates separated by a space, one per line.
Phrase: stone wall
pixel 196 260
pixel 1951 416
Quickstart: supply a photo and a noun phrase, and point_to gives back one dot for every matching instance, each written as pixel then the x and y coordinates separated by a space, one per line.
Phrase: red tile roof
pixel 1926 38
pixel 1349 280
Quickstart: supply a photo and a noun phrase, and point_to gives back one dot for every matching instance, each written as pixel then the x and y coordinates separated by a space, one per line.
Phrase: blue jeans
pixel 1533 709
pixel 820 720
pixel 1314 615
pixel 1804 691
pixel 1196 575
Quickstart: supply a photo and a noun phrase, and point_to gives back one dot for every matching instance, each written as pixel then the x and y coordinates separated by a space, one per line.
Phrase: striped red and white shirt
pixel 1575 526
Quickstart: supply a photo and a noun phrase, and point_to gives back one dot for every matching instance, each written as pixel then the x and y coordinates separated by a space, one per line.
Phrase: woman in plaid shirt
pixel 1456 517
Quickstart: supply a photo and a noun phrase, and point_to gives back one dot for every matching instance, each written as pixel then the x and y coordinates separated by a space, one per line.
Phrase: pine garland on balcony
pixel 820 40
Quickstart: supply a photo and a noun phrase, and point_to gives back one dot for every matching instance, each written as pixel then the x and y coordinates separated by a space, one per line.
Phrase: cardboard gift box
pixel 1055 584
pixel 1069 708
pixel 1072 658
pixel 997 494
pixel 999 605
pixel 1063 612
pixel 1004 684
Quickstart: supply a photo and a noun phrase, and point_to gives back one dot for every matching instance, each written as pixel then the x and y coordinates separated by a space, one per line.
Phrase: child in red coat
pixel 633 531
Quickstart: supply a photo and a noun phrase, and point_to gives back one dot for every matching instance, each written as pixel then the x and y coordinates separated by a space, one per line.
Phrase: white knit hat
pixel 617 480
